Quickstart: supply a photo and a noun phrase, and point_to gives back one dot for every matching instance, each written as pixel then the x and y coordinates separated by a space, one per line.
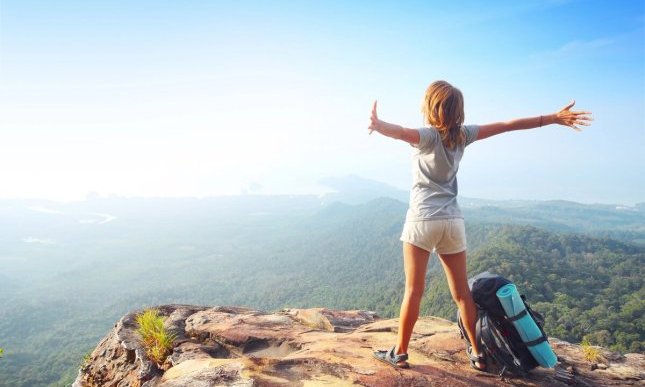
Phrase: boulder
pixel 238 346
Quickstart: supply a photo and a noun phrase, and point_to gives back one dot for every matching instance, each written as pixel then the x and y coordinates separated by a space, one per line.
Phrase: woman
pixel 434 221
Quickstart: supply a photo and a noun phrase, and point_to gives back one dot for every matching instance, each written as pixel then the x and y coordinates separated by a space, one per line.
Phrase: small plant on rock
pixel 156 340
pixel 86 361
pixel 590 352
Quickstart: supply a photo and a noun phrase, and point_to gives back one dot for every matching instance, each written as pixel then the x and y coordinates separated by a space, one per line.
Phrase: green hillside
pixel 586 287
pixel 66 279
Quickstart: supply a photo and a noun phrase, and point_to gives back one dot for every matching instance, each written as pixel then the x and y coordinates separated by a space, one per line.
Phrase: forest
pixel 69 271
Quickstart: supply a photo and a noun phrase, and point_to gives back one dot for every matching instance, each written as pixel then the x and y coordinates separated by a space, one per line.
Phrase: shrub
pixel 156 340
pixel 590 352
pixel 86 361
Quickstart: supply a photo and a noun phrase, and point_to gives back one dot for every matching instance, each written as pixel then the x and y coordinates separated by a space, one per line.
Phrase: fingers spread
pixel 574 127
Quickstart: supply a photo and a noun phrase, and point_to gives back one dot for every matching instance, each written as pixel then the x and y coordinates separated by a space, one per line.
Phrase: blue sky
pixel 198 98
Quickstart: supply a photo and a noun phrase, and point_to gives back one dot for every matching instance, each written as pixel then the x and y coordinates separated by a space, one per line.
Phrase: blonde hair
pixel 443 108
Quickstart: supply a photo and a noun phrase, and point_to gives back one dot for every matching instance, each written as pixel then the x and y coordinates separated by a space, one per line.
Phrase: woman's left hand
pixel 572 119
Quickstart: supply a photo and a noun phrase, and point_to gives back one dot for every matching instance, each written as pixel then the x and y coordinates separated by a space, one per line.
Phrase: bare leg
pixel 415 264
pixel 455 267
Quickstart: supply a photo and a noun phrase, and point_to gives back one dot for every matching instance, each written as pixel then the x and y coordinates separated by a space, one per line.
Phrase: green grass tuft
pixel 86 361
pixel 156 340
pixel 590 352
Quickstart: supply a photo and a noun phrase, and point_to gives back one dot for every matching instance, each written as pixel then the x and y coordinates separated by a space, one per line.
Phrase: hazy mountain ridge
pixel 597 219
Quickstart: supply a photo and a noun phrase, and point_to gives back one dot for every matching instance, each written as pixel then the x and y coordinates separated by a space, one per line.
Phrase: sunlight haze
pixel 200 98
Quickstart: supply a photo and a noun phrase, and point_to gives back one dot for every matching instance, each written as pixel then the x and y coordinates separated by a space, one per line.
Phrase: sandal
pixel 481 359
pixel 391 358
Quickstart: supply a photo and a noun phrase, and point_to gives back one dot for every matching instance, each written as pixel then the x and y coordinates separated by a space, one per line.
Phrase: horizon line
pixel 90 197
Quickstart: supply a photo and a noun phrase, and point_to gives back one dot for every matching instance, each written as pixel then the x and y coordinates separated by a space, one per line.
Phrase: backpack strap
pixel 537 341
pixel 537 317
pixel 523 313
pixel 478 326
pixel 518 316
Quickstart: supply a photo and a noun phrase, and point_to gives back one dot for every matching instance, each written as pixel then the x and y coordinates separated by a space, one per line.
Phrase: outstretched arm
pixel 392 130
pixel 564 117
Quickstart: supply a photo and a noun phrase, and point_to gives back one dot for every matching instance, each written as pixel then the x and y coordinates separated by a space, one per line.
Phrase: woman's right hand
pixel 375 123
pixel 391 130
pixel 572 119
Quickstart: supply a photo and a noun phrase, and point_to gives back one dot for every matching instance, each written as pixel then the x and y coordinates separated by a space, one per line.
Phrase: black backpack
pixel 495 332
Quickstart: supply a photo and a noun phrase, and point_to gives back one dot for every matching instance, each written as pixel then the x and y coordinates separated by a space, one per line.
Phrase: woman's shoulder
pixel 430 130
pixel 428 138
pixel 471 132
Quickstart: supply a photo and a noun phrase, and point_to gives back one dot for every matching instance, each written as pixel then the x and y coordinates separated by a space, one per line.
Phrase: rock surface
pixel 236 346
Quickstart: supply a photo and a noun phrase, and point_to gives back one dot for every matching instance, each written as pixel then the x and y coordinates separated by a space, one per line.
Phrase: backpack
pixel 498 338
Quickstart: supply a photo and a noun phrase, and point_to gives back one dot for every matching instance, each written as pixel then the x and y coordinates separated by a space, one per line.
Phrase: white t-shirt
pixel 434 176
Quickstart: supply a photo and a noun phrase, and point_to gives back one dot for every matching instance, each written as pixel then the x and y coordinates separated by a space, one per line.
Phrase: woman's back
pixel 434 175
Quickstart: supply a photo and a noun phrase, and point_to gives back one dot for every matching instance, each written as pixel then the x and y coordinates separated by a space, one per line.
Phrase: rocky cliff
pixel 235 346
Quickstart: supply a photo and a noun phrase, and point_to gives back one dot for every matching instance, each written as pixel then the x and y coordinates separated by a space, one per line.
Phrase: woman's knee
pixel 463 299
pixel 414 292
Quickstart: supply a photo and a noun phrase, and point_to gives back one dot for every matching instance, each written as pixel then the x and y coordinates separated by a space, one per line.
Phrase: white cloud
pixel 42 241
pixel 45 210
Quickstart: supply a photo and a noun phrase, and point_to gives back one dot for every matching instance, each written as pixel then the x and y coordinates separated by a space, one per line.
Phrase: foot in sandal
pixel 391 358
pixel 477 362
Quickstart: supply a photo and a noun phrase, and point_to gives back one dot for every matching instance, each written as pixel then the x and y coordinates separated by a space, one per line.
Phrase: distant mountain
pixel 602 220
pixel 353 189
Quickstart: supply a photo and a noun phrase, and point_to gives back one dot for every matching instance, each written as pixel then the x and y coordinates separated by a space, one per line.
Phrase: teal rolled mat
pixel 526 326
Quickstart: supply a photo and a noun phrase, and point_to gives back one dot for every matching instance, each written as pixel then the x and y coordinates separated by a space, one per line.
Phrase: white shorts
pixel 443 236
